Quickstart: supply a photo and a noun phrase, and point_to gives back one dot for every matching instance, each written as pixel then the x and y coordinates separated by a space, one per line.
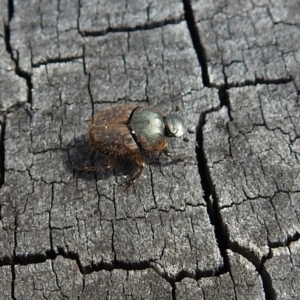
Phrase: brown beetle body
pixel 109 132
pixel 130 130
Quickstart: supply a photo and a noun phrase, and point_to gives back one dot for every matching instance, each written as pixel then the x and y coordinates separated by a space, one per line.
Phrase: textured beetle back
pixel 110 134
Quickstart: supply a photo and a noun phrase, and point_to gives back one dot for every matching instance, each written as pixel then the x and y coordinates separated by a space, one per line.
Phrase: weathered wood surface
pixel 226 227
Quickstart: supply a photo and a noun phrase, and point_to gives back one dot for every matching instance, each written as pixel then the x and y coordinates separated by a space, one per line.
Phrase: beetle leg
pixel 140 161
pixel 177 157
pixel 112 161
pixel 92 169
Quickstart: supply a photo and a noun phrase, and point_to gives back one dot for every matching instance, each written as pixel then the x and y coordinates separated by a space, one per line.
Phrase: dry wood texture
pixel 225 225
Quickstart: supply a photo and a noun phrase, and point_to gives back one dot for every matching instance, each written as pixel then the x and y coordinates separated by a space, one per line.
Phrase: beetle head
pixel 175 126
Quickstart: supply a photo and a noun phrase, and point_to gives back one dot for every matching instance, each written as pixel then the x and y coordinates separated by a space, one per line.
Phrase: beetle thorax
pixel 147 127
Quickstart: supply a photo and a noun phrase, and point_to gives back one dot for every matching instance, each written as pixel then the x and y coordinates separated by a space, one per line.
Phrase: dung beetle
pixel 131 131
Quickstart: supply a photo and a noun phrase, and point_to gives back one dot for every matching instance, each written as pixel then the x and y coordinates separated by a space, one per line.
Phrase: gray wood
pixel 120 284
pixel 226 227
pixel 6 282
pixel 284 271
pixel 2 130
pixel 4 16
pixel 56 279
pixel 45 31
pixel 103 16
pixel 265 170
pixel 13 88
pixel 61 278
pixel 242 282
pixel 248 42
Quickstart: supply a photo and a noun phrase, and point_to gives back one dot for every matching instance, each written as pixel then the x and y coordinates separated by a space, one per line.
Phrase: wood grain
pixel 226 227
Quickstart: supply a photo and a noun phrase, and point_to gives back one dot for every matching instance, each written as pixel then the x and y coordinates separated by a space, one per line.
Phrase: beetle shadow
pixel 161 160
pixel 81 155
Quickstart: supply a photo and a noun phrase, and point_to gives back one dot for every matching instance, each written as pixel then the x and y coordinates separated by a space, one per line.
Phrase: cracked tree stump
pixel 222 226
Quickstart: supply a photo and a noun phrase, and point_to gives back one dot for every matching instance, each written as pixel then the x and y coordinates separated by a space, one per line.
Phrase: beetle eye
pixel 175 126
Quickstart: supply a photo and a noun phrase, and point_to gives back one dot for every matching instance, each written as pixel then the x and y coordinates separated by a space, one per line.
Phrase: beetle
pixel 130 131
